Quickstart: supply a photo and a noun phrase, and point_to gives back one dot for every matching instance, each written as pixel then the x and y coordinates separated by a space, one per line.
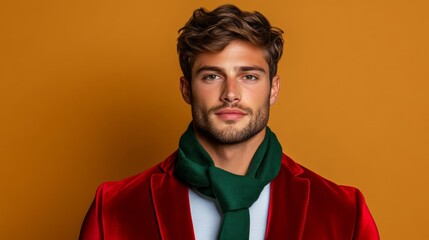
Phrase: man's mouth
pixel 230 114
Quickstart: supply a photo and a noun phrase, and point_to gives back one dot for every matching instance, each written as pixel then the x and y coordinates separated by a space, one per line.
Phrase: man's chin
pixel 229 126
pixel 229 134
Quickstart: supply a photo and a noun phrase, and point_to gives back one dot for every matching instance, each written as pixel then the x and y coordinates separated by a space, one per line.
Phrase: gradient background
pixel 89 93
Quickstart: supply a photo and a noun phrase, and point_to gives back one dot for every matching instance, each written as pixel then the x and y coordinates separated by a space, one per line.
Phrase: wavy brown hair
pixel 212 31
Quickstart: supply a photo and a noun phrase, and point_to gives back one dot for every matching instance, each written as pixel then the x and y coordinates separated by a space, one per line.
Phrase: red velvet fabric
pixel 155 205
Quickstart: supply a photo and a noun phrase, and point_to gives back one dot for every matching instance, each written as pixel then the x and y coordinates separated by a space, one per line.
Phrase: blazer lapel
pixel 289 197
pixel 171 202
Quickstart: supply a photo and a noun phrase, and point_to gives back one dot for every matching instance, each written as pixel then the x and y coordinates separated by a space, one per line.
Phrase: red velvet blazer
pixel 155 205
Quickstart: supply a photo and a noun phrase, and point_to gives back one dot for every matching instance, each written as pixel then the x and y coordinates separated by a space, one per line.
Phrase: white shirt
pixel 206 215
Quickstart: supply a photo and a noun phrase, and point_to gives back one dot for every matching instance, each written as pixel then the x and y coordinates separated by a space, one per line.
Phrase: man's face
pixel 230 93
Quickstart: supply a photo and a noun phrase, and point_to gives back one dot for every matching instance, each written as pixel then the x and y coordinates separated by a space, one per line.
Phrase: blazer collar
pixel 171 203
pixel 289 198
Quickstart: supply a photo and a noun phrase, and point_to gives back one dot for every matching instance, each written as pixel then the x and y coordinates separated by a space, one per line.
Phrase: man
pixel 229 178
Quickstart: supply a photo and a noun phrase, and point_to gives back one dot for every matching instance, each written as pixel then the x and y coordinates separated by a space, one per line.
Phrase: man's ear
pixel 185 89
pixel 275 88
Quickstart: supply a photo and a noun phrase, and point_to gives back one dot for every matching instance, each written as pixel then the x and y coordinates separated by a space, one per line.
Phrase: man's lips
pixel 230 114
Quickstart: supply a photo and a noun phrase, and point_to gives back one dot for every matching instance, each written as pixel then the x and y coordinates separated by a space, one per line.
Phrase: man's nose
pixel 231 93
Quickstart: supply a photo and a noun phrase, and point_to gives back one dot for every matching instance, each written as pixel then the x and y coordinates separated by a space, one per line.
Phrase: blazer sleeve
pixel 92 227
pixel 365 228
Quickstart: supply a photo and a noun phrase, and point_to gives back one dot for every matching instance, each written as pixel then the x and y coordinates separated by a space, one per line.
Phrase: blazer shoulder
pixel 323 185
pixel 138 182
pixel 336 205
pixel 125 208
pixel 319 185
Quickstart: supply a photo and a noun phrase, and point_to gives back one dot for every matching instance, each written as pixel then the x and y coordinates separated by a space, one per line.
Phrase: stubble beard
pixel 231 135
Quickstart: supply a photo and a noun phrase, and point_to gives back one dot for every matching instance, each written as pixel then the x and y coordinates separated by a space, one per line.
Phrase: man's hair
pixel 212 31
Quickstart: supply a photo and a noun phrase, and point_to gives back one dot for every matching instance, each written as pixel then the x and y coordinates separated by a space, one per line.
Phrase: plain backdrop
pixel 89 93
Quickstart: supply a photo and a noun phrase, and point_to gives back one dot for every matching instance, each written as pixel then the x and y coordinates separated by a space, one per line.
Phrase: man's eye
pixel 250 77
pixel 211 77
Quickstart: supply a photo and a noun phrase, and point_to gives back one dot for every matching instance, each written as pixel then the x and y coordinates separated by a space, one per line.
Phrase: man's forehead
pixel 238 55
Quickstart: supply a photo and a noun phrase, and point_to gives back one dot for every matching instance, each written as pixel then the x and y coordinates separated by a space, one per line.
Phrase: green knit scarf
pixel 234 193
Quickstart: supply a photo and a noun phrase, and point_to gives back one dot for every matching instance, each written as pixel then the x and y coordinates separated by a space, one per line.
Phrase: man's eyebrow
pixel 250 68
pixel 209 68
pixel 238 69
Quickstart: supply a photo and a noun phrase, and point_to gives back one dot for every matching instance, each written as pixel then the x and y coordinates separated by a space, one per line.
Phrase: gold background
pixel 89 93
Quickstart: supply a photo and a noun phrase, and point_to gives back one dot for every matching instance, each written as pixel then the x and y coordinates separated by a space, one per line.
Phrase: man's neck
pixel 234 158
